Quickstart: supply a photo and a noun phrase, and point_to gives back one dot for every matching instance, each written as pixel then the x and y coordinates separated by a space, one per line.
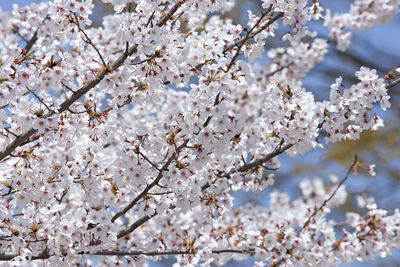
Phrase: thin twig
pixel 279 69
pixel 10 192
pixel 238 42
pixel 244 40
pixel 355 162
pixel 152 184
pixel 69 88
pixel 4 106
pixel 253 197
pixel 266 25
pixel 88 40
pixel 39 98
pixel 8 131
pixel 148 160
pixel 261 161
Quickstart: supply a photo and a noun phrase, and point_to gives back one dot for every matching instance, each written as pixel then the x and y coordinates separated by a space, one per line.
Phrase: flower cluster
pixel 355 104
pixel 126 141
pixel 363 14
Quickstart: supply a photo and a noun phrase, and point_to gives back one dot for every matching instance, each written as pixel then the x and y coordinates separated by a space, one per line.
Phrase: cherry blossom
pixel 125 142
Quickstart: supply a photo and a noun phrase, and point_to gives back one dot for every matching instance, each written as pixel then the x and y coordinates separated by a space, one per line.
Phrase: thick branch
pixel 251 165
pixel 393 83
pixel 33 39
pixel 68 102
pixel 17 142
pixel 42 256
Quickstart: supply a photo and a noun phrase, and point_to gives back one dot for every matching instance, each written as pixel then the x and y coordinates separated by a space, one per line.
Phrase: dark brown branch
pixel 135 225
pixel 17 142
pixel 251 165
pixel 91 84
pixel 88 40
pixel 4 106
pixel 355 162
pixel 393 83
pixel 161 193
pixel 279 69
pixel 68 102
pixel 40 99
pixel 239 41
pixel 33 39
pixel 170 13
pixel 9 257
pixel 247 37
pixel 152 184
pixel 261 161
pixel 9 131
pixel 148 160
pixel 69 88
pixel 171 252
pixel 46 255
pixel 81 92
pixel 266 25
pixel 10 192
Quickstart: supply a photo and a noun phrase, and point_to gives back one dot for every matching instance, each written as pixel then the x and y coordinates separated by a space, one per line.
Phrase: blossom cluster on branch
pixel 125 142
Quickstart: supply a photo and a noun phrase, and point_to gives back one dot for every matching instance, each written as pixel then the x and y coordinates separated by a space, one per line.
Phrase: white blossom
pixel 131 137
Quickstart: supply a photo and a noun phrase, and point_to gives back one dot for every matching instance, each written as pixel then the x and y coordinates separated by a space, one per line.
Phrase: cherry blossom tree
pixel 125 142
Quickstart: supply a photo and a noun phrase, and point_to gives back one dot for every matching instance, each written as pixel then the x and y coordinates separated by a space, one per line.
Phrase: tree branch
pixel 17 142
pixel 247 37
pixel 68 102
pixel 261 161
pixel 279 69
pixel 266 25
pixel 88 40
pixel 150 186
pixel 33 39
pixel 170 13
pixel 239 41
pixel 393 83
pixel 355 162
pixel 91 84
pixel 251 165
pixel 135 225
pixel 46 255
